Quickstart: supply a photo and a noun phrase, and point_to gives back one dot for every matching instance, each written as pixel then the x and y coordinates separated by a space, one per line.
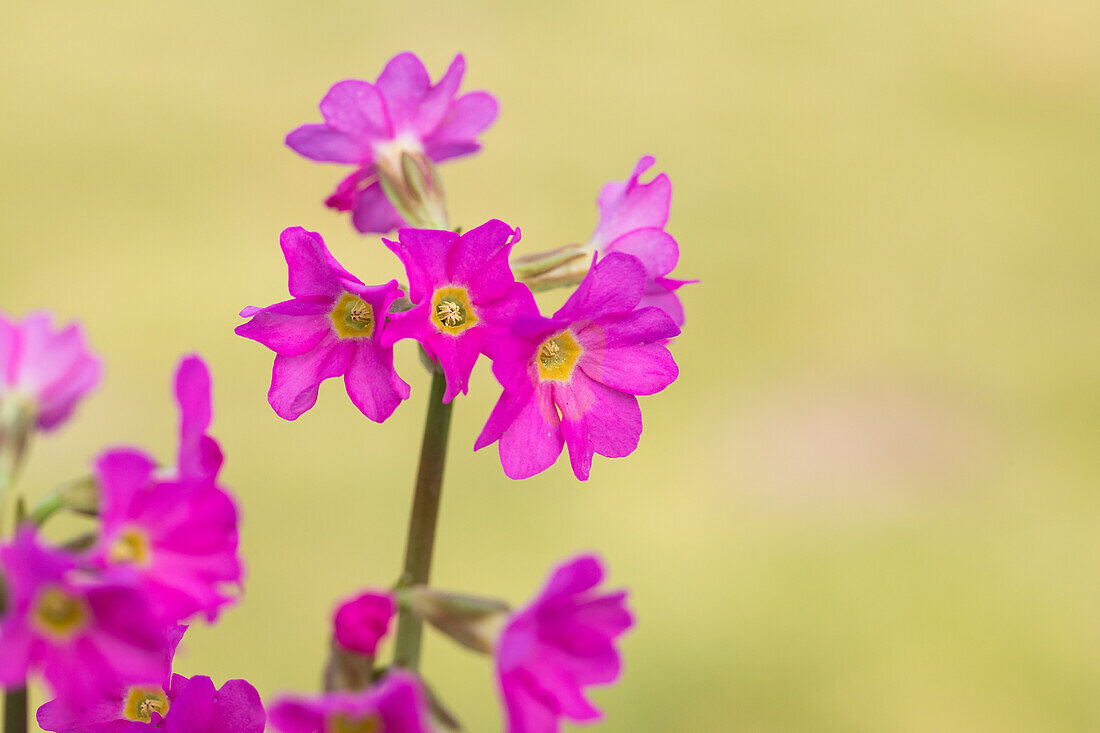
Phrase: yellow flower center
pixel 558 356
pixel 130 547
pixel 59 614
pixel 142 702
pixel 340 723
pixel 451 310
pixel 352 317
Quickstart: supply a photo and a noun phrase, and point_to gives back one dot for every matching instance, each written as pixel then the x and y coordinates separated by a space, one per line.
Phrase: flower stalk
pixel 423 519
pixel 15 710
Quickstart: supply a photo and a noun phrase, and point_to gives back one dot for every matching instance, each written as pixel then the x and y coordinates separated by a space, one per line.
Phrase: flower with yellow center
pixel 142 702
pixel 59 613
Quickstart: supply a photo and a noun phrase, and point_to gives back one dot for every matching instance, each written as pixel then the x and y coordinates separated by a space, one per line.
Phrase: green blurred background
pixel 869 503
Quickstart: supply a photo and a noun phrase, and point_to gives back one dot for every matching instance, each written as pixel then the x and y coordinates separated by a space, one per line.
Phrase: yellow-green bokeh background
pixel 869 503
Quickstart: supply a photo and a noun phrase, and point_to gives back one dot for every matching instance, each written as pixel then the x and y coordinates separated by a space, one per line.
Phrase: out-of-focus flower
pixel 465 295
pixel 128 708
pixel 372 125
pixel 84 636
pixel 561 643
pixel 360 623
pixel 396 705
pixel 572 379
pixel 632 221
pixel 177 539
pixel 333 326
pixel 43 372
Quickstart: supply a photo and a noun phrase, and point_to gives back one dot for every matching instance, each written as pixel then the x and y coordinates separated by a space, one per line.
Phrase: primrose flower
pixel 333 326
pixel 177 539
pixel 370 126
pixel 396 705
pixel 572 379
pixel 43 372
pixel 84 636
pixel 131 706
pixel 465 295
pixel 561 643
pixel 360 623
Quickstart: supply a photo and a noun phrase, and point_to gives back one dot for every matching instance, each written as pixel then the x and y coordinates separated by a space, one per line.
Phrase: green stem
pixel 422 521
pixel 15 710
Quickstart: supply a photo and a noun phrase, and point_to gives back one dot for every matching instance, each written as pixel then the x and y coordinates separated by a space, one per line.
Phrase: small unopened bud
pixel 415 190
pixel 472 621
pixel 81 496
pixel 17 421
pixel 561 267
pixel 347 670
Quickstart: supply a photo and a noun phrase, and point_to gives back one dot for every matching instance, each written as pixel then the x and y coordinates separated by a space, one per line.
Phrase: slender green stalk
pixel 422 521
pixel 15 710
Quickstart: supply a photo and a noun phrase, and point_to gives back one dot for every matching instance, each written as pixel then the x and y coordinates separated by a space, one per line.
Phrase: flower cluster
pixel 100 619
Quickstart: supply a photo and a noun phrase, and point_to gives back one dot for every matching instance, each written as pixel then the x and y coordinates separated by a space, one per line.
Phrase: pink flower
pixel 333 326
pixel 561 643
pixel 371 125
pixel 129 707
pixel 360 623
pixel 84 636
pixel 50 371
pixel 572 379
pixel 396 705
pixel 465 293
pixel 175 535
pixel 177 539
pixel 633 216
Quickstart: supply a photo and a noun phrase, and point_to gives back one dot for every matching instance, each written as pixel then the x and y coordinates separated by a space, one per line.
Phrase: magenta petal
pixel 238 709
pixel 534 441
pixel 629 205
pixel 121 474
pixel 373 211
pixel 357 109
pixel 456 356
pixel 614 422
pixel 325 145
pixel 361 622
pixel 479 260
pixel 470 115
pixel 438 101
pixel 642 326
pixel 403 84
pixel 638 370
pixel 505 412
pixel 613 285
pixel 575 400
pixel 309 264
pixel 423 252
pixel 295 380
pixel 371 382
pixel 656 249
pixel 290 328
pixel 193 709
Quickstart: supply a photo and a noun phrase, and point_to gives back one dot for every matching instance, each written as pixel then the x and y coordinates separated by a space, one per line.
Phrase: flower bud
pixel 415 190
pixel 472 621
pixel 560 267
pixel 17 421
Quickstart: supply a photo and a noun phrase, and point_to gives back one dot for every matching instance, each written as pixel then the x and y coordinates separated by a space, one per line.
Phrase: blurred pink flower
pixel 360 623
pixel 561 643
pixel 50 369
pixel 395 705
pixel 371 125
